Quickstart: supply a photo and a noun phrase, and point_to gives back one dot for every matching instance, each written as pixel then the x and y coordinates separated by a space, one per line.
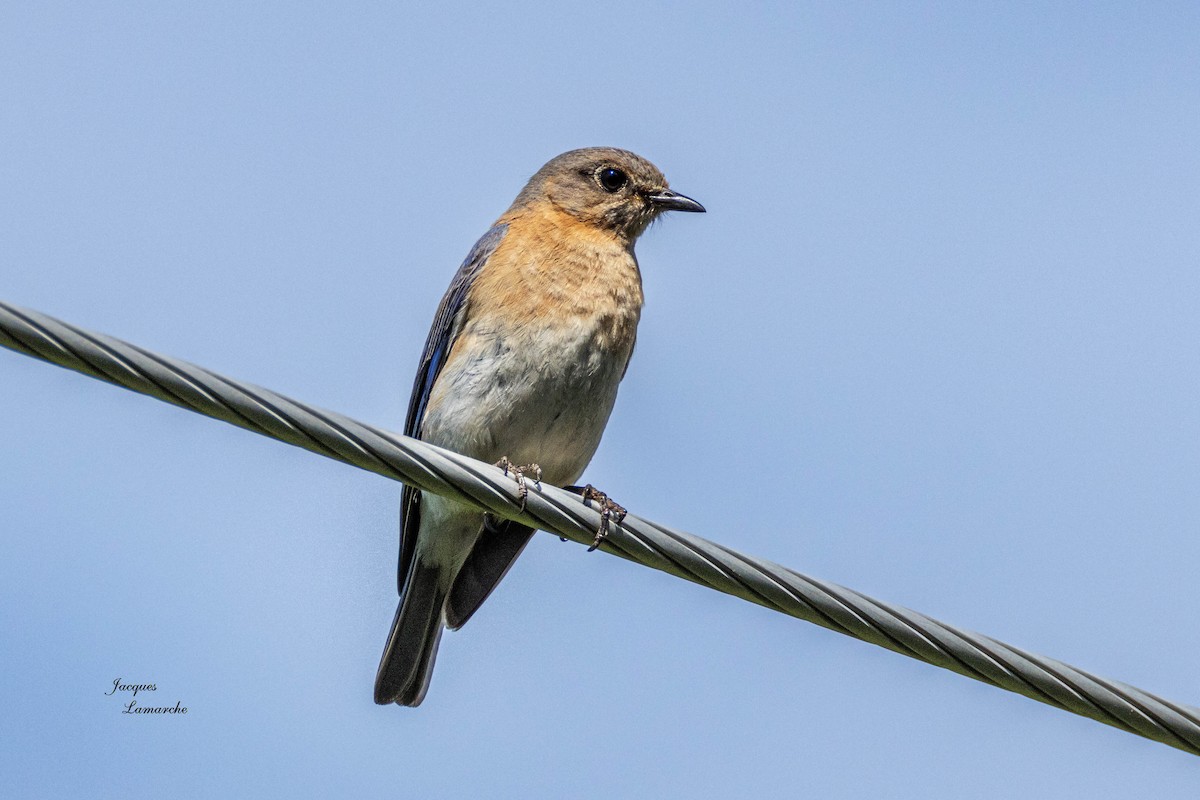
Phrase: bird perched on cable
pixel 521 367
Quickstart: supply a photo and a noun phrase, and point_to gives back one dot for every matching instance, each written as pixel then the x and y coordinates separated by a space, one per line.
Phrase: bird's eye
pixel 612 179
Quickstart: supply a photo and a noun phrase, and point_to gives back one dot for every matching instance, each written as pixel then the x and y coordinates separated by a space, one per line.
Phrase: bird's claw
pixel 518 473
pixel 609 512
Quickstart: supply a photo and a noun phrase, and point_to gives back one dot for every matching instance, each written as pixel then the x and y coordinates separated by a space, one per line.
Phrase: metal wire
pixel 699 560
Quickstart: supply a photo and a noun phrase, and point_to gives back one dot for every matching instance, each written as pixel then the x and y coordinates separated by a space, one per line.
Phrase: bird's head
pixel 614 190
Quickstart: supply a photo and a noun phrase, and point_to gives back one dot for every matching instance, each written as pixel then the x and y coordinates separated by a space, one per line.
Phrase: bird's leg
pixel 518 473
pixel 609 510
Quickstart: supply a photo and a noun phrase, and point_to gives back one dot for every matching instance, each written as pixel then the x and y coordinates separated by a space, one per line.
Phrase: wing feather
pixel 446 325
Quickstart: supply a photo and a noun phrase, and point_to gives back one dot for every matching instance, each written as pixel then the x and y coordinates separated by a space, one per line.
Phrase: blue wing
pixel 441 338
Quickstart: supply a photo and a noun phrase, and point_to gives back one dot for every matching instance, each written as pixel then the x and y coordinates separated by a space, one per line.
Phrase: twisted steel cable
pixel 707 563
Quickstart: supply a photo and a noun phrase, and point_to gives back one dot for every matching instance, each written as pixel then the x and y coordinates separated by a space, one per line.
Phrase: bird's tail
pixel 412 645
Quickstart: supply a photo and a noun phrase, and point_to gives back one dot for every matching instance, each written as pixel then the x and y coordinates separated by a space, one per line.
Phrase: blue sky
pixel 936 339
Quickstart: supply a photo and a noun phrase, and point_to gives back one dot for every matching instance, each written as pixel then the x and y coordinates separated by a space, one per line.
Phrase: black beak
pixel 670 201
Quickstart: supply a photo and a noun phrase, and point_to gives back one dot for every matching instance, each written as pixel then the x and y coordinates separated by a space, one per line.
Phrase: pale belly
pixel 543 397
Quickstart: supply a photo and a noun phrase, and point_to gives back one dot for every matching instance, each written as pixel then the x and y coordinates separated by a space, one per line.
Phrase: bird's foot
pixel 609 511
pixel 518 473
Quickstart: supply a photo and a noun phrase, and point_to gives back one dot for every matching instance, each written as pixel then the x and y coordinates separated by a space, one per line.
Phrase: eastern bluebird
pixel 521 366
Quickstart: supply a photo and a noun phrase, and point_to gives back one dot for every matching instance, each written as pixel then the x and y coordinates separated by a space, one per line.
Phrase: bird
pixel 520 368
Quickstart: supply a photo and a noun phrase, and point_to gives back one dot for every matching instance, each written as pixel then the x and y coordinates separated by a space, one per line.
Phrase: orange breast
pixel 551 270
